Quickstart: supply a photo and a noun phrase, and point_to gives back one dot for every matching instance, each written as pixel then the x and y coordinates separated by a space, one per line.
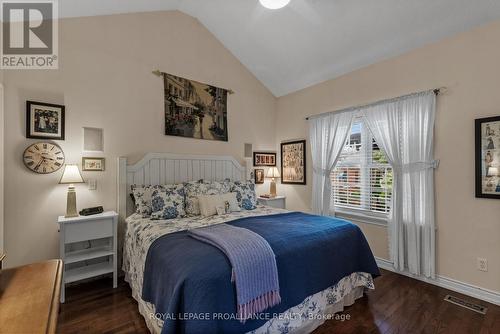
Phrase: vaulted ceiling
pixel 311 41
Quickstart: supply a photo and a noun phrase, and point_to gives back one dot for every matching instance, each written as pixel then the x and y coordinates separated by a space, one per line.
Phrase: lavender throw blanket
pixel 254 266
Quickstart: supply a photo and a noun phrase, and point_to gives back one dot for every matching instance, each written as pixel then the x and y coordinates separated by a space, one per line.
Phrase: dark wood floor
pixel 398 305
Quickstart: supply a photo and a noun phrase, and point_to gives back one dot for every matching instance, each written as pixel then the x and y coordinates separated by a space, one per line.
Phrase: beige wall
pixel 105 81
pixel 469 65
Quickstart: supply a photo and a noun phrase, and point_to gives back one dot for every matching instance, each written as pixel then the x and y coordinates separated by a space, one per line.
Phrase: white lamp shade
pixel 71 174
pixel 274 4
pixel 273 172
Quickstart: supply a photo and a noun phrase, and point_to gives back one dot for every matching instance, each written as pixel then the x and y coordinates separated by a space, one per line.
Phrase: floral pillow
pixel 142 198
pixel 245 194
pixel 168 202
pixel 199 188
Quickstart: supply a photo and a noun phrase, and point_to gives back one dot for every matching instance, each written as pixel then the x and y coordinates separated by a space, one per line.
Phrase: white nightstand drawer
pixel 275 202
pixel 96 229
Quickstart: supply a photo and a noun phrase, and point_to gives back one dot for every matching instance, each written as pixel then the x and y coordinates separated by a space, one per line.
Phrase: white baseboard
pixel 489 296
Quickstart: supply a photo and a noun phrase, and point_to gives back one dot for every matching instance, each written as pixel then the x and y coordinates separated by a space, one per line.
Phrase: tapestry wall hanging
pixel 194 109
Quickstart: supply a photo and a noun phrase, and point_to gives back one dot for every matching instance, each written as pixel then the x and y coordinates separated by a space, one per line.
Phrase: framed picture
pixel 261 159
pixel 93 164
pixel 488 157
pixel 259 176
pixel 44 120
pixel 293 162
pixel 194 109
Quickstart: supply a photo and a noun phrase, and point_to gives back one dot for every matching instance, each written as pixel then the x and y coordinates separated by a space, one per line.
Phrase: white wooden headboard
pixel 167 168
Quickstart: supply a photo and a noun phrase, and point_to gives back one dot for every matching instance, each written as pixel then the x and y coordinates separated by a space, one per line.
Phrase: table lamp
pixel 273 173
pixel 71 175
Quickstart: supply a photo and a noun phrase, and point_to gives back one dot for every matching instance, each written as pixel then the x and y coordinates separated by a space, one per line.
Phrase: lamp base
pixel 272 188
pixel 71 203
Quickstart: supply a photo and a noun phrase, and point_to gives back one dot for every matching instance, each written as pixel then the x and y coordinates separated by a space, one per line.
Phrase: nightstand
pixel 88 228
pixel 275 202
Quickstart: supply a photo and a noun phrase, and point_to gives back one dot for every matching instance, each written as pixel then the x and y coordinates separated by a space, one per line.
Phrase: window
pixel 362 179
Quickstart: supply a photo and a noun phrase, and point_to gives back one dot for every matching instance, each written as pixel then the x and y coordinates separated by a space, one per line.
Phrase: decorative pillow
pixel 199 188
pixel 209 203
pixel 142 198
pixel 245 193
pixel 168 202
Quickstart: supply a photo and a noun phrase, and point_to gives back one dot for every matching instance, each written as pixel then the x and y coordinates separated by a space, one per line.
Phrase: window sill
pixel 361 216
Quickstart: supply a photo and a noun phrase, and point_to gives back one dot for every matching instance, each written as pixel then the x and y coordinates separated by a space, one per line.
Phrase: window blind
pixel 362 178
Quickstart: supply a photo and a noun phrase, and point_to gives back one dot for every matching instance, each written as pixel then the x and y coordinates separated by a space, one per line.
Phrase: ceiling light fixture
pixel 274 4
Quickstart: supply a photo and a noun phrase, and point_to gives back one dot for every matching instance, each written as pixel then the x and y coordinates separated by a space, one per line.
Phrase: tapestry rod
pixel 158 74
pixel 436 91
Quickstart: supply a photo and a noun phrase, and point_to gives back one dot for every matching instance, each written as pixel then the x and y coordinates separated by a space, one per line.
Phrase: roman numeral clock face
pixel 43 158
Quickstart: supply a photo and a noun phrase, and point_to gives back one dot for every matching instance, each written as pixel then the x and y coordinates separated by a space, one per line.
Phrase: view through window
pixel 362 179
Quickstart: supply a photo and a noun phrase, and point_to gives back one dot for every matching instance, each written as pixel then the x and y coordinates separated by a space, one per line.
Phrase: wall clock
pixel 43 157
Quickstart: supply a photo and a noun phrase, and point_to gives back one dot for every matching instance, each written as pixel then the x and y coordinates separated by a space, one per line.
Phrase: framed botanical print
pixel 259 176
pixel 488 157
pixel 93 164
pixel 293 162
pixel 44 120
pixel 264 159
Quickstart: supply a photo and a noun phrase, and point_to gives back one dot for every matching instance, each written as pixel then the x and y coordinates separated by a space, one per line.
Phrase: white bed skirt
pixel 349 299
pixel 300 319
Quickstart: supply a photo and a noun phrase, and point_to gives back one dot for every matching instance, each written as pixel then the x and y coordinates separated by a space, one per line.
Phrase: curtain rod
pixel 436 91
pixel 159 74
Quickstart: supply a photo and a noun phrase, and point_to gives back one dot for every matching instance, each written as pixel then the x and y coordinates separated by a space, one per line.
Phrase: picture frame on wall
pixel 44 120
pixel 90 164
pixel 487 160
pixel 259 176
pixel 264 159
pixel 293 162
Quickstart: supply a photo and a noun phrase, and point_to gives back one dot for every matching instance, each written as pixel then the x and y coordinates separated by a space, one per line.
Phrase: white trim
pixel 486 295
pixel 361 216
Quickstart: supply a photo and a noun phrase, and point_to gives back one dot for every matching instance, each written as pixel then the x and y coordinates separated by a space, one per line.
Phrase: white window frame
pixel 362 214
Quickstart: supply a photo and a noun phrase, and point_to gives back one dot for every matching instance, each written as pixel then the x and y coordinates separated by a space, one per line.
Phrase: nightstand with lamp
pixel 273 199
pixel 76 229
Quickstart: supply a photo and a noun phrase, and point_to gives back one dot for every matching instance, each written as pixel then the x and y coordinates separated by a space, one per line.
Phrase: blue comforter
pixel 189 281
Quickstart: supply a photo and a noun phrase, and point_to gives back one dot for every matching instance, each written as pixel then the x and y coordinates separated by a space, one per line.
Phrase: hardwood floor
pixel 96 307
pixel 398 305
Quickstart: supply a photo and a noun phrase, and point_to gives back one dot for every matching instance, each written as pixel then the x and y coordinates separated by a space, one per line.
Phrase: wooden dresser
pixel 29 297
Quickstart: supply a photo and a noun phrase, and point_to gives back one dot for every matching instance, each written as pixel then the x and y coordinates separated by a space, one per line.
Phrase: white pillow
pixel 209 203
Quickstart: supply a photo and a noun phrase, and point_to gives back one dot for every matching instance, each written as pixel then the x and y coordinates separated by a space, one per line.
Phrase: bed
pixel 174 281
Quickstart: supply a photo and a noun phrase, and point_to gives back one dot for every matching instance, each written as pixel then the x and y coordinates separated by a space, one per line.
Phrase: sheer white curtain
pixel 403 128
pixel 327 135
